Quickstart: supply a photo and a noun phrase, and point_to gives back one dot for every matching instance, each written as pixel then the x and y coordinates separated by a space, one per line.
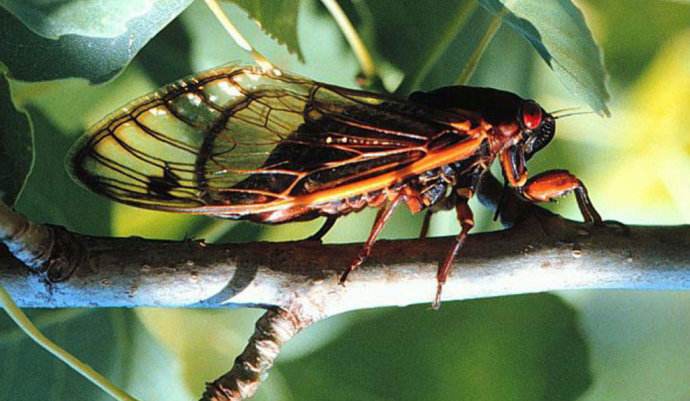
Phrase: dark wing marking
pixel 242 136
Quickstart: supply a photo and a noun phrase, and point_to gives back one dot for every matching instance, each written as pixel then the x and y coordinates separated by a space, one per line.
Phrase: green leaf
pixel 509 348
pixel 16 146
pixel 95 18
pixel 448 42
pixel 445 44
pixel 144 360
pixel 331 59
pixel 167 57
pixel 559 33
pixel 638 343
pixel 94 58
pixel 277 18
pixel 50 194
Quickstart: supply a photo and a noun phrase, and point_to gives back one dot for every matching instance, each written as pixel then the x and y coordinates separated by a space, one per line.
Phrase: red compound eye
pixel 531 115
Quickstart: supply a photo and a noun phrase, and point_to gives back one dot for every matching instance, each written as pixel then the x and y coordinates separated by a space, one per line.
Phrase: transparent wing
pixel 242 136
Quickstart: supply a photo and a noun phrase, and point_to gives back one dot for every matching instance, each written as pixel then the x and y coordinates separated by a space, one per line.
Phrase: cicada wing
pixel 241 136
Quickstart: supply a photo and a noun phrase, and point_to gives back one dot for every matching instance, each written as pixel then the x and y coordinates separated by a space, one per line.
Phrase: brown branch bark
pixel 538 255
pixel 273 329
pixel 298 281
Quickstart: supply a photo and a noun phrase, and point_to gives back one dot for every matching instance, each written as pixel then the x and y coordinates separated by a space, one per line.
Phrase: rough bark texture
pixel 538 255
pixel 273 329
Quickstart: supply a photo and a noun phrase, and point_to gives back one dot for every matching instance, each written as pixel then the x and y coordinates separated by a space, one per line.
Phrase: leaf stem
pixel 43 321
pixel 358 47
pixel 463 13
pixel 35 334
pixel 473 61
pixel 235 34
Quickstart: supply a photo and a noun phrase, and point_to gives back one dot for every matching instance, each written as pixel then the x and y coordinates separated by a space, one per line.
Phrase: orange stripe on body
pixel 431 161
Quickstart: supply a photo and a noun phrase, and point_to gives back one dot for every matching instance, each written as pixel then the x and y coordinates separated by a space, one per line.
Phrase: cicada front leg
pixel 546 186
pixel 552 184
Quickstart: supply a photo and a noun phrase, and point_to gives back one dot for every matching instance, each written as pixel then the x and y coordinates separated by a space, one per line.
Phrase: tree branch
pixel 298 281
pixel 538 255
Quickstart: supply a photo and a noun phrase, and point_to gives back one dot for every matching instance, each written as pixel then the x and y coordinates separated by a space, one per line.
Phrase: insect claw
pixel 343 277
pixel 436 305
pixel 354 266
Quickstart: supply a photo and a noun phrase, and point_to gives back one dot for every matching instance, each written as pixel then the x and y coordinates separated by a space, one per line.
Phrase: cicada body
pixel 245 143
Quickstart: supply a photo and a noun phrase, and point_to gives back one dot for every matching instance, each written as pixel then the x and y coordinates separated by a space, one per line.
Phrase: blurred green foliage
pixel 16 146
pixel 579 346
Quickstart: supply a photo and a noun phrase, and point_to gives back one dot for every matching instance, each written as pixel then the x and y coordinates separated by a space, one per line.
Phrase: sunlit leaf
pixel 331 59
pixel 113 342
pixel 559 33
pixel 631 36
pixel 16 146
pixel 154 372
pixel 95 18
pixel 210 340
pixel 94 58
pixel 277 18
pixel 207 345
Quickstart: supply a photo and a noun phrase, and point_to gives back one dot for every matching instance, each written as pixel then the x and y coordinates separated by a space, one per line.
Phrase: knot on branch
pixel 66 255
pixel 46 249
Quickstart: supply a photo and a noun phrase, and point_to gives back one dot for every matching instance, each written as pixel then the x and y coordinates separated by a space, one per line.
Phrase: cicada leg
pixel 383 215
pixel 466 220
pixel 552 184
pixel 325 228
pixel 446 203
pixel 424 230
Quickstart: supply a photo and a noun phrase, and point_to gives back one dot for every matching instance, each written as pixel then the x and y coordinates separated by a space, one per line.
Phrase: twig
pixel 235 34
pixel 472 62
pixel 273 329
pixel 439 47
pixel 358 47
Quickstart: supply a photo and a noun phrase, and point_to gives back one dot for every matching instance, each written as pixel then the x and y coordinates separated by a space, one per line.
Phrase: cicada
pixel 242 142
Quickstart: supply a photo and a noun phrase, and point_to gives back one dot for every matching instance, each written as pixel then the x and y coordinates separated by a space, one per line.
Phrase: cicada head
pixel 523 119
pixel 538 127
